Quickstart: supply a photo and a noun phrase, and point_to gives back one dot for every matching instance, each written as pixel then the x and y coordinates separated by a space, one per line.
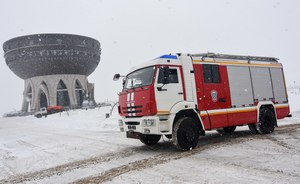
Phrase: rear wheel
pixel 267 121
pixel 252 128
pixel 185 133
pixel 150 139
pixel 227 130
pixel 266 124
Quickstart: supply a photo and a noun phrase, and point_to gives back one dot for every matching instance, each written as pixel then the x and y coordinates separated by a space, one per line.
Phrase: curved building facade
pixel 55 68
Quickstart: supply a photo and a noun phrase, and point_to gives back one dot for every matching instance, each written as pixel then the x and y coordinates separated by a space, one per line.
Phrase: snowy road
pixel 84 147
pixel 210 143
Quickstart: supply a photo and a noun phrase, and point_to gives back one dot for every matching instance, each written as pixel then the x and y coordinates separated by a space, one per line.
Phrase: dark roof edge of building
pixel 45 34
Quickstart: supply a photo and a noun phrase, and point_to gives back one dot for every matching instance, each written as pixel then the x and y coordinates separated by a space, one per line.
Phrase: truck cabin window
pixel 173 76
pixel 139 78
pixel 211 73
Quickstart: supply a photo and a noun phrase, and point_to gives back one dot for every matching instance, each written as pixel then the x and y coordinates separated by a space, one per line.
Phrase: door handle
pixel 180 93
pixel 161 89
pixel 222 99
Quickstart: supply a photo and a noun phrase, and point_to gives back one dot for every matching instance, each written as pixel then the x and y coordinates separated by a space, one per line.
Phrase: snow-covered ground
pixel 294 99
pixel 84 146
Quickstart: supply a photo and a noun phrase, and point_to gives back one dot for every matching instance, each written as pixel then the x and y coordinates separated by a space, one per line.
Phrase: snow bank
pixel 28 144
pixel 91 119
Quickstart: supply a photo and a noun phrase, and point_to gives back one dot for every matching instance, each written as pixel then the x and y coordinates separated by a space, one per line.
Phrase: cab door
pixel 168 90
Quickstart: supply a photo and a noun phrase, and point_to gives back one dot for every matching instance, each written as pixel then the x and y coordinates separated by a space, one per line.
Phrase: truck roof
pixel 226 59
pixel 235 57
pixel 157 61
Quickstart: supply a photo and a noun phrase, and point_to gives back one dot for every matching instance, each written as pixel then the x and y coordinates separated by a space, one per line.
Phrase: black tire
pixel 252 128
pixel 267 121
pixel 149 139
pixel 185 133
pixel 227 130
pixel 169 136
pixel 38 115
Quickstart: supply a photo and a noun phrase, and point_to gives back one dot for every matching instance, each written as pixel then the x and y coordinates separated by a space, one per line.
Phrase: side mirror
pixel 124 81
pixel 116 77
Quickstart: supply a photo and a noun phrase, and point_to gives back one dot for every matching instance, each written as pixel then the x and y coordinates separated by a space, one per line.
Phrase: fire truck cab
pixel 181 96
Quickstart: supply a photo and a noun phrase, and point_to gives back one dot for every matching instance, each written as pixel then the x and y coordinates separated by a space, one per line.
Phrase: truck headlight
pixel 148 122
pixel 121 122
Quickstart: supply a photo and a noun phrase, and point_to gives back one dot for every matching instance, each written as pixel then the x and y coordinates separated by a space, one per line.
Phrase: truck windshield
pixel 140 78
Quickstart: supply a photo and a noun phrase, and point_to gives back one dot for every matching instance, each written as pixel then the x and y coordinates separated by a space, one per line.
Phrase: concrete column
pixel 50 89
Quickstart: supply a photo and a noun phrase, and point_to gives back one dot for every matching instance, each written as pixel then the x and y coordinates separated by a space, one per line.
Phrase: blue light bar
pixel 168 57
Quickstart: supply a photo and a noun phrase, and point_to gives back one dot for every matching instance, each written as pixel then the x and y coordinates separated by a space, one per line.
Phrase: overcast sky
pixel 135 31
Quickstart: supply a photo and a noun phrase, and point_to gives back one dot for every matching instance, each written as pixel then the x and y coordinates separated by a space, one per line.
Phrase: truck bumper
pixel 159 125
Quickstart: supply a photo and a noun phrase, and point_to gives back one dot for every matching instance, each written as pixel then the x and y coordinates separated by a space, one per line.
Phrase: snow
pixel 294 100
pixel 73 145
pixel 225 164
pixel 29 144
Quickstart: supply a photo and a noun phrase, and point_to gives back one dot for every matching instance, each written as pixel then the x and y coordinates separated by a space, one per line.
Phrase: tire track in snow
pixel 208 142
pixel 266 171
pixel 281 130
pixel 26 144
pixel 32 146
pixel 281 143
pixel 168 154
pixel 61 169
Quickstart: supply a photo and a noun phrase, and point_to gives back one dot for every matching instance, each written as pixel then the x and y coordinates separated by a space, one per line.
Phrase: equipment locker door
pixel 213 93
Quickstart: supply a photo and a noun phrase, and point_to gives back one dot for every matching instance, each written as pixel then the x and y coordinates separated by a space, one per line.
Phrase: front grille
pixel 132 123
pixel 132 109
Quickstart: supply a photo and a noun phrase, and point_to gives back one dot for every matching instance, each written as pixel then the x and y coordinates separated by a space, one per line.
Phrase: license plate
pixel 131 127
pixel 132 134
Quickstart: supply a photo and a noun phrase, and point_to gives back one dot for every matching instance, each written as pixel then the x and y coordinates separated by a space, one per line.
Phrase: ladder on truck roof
pixel 236 57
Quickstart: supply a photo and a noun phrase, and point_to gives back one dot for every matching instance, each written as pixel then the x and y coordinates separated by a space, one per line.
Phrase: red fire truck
pixel 181 96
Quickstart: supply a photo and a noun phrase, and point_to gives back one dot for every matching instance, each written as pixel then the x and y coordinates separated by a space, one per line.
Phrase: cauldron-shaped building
pixel 55 68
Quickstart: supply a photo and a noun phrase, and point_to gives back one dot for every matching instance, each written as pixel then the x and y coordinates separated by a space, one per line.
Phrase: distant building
pixel 55 68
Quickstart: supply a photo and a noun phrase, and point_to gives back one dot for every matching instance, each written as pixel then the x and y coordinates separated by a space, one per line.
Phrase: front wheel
pixel 149 139
pixel 185 134
pixel 169 136
pixel 39 115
